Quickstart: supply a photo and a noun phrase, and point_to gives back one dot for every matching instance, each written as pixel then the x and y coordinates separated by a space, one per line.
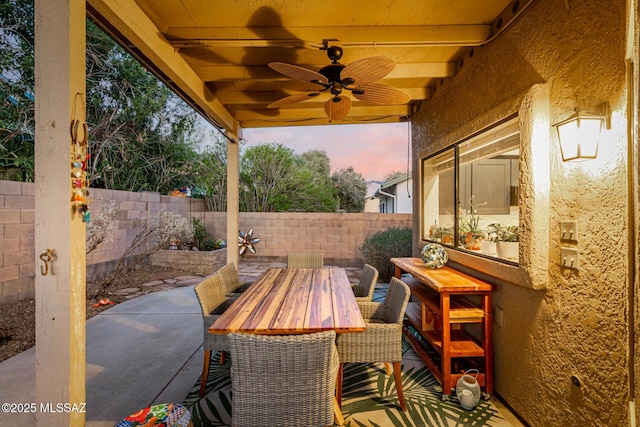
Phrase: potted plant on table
pixel 506 238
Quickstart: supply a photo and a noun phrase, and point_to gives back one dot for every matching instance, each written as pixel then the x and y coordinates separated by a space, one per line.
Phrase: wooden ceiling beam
pixel 268 96
pixel 213 73
pixel 310 113
pixel 315 37
pixel 319 121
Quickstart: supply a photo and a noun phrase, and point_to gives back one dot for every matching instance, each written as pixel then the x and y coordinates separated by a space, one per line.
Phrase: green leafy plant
pixel 202 240
pixel 502 233
pixel 379 248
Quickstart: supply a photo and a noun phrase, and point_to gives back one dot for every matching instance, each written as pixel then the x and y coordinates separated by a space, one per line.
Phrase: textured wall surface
pixel 338 235
pixel 557 322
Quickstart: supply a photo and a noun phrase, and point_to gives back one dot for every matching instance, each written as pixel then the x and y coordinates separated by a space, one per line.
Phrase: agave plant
pixel 502 233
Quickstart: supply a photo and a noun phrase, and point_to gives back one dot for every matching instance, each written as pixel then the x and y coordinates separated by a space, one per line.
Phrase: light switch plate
pixel 569 258
pixel 569 230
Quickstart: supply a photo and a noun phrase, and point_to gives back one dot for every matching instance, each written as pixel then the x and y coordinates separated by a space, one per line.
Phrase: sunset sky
pixel 374 150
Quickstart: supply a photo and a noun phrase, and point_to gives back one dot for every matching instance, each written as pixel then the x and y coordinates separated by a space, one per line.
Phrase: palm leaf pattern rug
pixel 369 396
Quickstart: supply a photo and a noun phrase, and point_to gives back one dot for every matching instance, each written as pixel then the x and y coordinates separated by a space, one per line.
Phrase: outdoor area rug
pixel 369 397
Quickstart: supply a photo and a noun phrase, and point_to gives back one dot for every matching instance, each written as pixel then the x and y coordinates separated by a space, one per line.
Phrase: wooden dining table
pixel 295 301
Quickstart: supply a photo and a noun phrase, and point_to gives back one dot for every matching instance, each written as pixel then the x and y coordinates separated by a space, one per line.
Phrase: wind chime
pixel 79 162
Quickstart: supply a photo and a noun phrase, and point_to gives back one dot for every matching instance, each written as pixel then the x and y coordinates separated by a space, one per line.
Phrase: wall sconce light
pixel 579 135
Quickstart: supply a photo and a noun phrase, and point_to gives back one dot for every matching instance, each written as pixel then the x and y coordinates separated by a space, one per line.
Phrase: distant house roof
pixel 393 182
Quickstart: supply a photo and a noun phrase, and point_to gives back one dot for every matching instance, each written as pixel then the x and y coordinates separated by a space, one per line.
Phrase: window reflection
pixel 470 193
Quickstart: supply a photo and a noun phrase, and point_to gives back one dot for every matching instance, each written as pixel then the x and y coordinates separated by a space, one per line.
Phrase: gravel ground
pixel 17 319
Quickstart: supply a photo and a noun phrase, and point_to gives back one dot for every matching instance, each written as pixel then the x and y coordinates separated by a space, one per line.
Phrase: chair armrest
pixel 371 310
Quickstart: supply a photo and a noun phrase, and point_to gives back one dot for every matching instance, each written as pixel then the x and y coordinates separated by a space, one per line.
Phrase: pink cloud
pixel 373 150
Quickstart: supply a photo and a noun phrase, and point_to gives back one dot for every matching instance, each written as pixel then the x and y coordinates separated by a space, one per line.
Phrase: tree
pixel 140 133
pixel 210 177
pixel 266 171
pixel 17 125
pixel 394 175
pixel 311 188
pixel 352 189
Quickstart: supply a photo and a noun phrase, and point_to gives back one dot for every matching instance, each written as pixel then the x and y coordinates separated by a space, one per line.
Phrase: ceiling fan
pixel 358 78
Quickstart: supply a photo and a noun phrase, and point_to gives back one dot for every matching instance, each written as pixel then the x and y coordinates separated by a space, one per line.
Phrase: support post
pixel 233 196
pixel 60 94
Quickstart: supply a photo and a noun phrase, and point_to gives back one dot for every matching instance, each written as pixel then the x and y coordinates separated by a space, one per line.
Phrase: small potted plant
pixel 469 227
pixel 506 238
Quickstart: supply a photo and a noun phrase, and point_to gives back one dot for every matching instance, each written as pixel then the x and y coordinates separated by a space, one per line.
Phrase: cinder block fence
pixel 338 236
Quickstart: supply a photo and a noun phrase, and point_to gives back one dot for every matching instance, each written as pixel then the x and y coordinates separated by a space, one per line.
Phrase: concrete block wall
pixel 338 236
pixel 133 210
pixel 17 222
pixel 17 232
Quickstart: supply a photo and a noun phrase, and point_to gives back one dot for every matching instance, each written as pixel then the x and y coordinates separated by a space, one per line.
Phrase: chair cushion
pixel 163 415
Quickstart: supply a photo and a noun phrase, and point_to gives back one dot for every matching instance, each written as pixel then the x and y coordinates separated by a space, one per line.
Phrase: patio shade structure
pixel 215 55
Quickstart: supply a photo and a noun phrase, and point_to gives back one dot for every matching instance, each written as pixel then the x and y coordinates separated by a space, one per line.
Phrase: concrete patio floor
pixel 141 352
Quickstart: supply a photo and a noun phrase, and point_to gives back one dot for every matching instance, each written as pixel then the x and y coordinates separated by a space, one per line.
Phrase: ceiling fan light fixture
pixel 335 77
pixel 334 53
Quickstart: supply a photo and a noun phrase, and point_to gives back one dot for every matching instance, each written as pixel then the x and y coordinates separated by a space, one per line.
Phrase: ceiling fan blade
pixel 381 94
pixel 337 107
pixel 298 73
pixel 367 70
pixel 292 99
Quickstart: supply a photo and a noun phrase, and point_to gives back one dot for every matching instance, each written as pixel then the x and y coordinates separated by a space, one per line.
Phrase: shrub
pixel 379 248
pixel 202 240
pixel 101 227
pixel 173 227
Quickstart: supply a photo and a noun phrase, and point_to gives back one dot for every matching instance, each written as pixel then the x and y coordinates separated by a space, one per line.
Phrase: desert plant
pixel 502 233
pixel 102 225
pixel 173 228
pixel 379 248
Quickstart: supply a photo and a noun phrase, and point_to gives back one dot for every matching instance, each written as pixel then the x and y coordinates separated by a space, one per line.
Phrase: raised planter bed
pixel 199 262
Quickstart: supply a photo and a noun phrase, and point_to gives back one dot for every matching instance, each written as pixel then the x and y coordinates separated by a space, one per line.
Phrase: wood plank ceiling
pixel 215 54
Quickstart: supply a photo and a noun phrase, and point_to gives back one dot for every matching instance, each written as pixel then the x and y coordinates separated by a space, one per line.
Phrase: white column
pixel 60 43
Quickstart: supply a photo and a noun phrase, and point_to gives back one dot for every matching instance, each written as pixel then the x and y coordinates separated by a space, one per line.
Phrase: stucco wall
pixel 557 322
pixel 338 235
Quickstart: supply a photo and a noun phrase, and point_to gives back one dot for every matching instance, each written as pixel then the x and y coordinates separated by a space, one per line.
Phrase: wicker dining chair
pixel 231 281
pixel 305 260
pixel 283 380
pixel 382 339
pixel 212 295
pixel 364 290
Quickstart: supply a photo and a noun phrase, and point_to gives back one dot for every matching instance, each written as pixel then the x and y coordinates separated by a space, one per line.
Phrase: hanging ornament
pixel 79 156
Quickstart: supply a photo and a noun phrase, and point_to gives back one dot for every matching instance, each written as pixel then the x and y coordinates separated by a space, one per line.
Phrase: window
pixel 470 193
